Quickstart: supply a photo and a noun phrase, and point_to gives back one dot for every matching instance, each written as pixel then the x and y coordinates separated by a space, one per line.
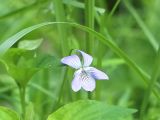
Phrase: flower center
pixel 84 75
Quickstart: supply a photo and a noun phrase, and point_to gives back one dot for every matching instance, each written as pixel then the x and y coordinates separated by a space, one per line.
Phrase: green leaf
pixel 45 61
pixel 90 110
pixel 2 67
pixel 8 114
pixel 30 44
pixel 13 39
pixel 23 64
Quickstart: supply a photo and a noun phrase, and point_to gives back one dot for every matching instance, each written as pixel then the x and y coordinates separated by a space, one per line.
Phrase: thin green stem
pixel 62 85
pixel 63 81
pixel 101 21
pixel 60 17
pixel 89 21
pixel 22 92
pixel 114 8
pixel 152 82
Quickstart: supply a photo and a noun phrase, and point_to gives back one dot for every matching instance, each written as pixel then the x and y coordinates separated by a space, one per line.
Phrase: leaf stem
pixel 22 91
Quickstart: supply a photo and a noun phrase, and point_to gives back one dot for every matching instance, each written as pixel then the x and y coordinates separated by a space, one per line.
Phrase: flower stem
pixel 22 91
pixel 60 17
pixel 62 85
pixel 90 95
pixel 89 21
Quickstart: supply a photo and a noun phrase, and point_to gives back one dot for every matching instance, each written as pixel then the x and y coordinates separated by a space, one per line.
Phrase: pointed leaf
pixel 23 64
pixel 30 44
pixel 91 110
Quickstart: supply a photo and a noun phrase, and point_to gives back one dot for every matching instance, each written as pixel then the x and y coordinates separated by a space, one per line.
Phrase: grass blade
pixel 146 31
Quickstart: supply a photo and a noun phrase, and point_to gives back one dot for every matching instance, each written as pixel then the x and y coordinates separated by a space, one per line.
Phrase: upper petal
pixel 88 83
pixel 76 82
pixel 97 74
pixel 72 61
pixel 87 59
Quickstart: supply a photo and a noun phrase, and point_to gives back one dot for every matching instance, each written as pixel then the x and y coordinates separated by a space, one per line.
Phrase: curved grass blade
pixel 111 44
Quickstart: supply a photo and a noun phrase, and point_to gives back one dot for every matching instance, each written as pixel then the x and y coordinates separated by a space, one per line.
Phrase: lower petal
pixel 88 83
pixel 76 82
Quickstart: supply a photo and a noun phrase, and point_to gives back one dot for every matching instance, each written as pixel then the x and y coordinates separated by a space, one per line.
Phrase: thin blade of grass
pixel 60 17
pixel 142 25
pixel 114 8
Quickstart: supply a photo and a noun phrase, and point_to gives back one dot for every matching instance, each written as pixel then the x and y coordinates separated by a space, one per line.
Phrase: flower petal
pixel 76 82
pixel 72 61
pixel 87 59
pixel 97 74
pixel 88 83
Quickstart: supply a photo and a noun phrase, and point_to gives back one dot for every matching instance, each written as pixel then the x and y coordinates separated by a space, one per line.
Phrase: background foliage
pixel 125 46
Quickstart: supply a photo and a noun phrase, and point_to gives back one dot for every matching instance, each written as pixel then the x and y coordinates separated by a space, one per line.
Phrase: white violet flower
pixel 84 76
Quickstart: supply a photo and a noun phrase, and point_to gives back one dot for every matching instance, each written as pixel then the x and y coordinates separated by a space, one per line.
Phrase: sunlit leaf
pixel 90 110
pixel 8 114
pixel 30 44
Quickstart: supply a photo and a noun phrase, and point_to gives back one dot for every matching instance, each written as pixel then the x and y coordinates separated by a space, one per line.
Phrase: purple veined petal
pixel 88 83
pixel 76 82
pixel 97 74
pixel 72 61
pixel 87 59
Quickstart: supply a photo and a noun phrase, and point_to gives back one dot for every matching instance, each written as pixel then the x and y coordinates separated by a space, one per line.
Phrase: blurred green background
pixel 133 26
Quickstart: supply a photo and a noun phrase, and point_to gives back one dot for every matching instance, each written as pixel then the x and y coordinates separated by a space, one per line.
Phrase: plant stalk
pixel 89 21
pixel 60 17
pixel 22 91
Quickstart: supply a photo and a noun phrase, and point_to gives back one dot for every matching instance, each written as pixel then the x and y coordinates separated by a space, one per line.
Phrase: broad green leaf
pixel 91 110
pixel 23 64
pixel 45 61
pixel 8 114
pixel 30 44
